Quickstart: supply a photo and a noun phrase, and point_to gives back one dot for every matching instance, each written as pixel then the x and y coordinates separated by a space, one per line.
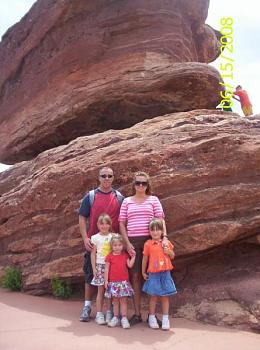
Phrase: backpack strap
pixel 119 196
pixel 92 194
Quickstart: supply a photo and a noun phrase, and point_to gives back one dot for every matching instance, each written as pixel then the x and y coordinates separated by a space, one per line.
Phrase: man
pixel 104 199
pixel 246 105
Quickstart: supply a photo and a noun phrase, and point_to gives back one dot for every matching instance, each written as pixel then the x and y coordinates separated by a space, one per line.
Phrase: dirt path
pixel 33 323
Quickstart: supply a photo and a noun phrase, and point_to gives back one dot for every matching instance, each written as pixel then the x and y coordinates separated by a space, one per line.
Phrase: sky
pixel 246 39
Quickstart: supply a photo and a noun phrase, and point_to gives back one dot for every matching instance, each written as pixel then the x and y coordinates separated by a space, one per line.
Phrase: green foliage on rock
pixel 60 288
pixel 12 279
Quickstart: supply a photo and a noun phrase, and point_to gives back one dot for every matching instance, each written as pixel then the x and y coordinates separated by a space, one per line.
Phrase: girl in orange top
pixel 158 281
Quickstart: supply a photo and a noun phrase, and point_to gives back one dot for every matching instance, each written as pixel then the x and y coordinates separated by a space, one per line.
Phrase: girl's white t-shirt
pixel 102 243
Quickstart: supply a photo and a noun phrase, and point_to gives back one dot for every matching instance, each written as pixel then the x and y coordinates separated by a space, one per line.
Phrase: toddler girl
pixel 101 247
pixel 158 281
pixel 117 283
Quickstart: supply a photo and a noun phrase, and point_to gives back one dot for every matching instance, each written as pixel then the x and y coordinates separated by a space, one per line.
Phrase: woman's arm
pixel 106 273
pixel 93 259
pixel 169 251
pixel 130 262
pixel 123 231
pixel 164 228
pixel 144 267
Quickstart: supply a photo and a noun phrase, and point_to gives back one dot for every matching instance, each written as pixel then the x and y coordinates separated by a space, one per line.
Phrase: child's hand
pixel 106 284
pixel 94 272
pixel 133 254
pixel 145 276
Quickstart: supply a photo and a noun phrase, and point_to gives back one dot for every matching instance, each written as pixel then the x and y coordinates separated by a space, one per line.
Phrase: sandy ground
pixel 28 322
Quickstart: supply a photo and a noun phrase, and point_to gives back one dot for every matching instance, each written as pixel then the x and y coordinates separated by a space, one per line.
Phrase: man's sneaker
pixel 157 319
pixel 153 322
pixel 109 316
pixel 165 324
pixel 124 323
pixel 85 314
pixel 100 319
pixel 114 322
pixel 135 319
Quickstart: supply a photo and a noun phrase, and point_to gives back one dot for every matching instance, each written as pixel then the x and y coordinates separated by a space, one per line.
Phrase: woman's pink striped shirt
pixel 138 216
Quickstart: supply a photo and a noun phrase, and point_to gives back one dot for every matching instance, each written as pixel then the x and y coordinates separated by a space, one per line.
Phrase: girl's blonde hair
pixel 105 218
pixel 156 224
pixel 149 185
pixel 116 237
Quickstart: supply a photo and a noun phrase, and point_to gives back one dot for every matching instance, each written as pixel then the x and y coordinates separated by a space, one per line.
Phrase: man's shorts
pixel 138 243
pixel 87 268
pixel 247 110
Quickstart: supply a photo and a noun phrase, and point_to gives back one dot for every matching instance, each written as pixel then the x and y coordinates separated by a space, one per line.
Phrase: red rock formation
pixel 76 68
pixel 72 68
pixel 210 198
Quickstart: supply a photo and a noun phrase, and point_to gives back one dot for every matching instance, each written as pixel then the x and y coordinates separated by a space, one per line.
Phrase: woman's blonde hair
pixel 149 185
pixel 156 224
pixel 105 218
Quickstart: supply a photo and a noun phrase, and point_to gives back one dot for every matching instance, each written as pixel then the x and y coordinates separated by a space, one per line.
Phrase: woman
pixel 135 215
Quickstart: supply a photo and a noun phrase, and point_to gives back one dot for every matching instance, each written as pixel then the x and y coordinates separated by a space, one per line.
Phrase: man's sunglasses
pixel 106 176
pixel 139 183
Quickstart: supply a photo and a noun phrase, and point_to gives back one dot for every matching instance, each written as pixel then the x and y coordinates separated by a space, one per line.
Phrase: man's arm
pixel 93 259
pixel 83 230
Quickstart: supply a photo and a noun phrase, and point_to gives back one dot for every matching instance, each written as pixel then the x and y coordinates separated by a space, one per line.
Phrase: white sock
pixel 165 317
pixel 152 317
pixel 99 313
pixel 88 303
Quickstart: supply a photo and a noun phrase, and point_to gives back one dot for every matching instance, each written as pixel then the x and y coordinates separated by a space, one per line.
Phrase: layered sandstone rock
pixel 75 68
pixel 221 286
pixel 210 198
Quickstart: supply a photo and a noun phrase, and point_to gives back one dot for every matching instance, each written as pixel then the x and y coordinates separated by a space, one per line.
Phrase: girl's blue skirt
pixel 160 284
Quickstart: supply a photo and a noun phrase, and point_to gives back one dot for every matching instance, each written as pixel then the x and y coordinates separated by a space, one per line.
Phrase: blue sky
pixel 246 36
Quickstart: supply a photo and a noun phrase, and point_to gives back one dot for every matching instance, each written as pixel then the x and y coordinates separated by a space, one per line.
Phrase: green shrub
pixel 12 279
pixel 60 288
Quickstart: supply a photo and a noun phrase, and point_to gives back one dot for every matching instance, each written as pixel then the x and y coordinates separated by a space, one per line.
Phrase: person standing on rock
pixel 103 199
pixel 135 215
pixel 246 105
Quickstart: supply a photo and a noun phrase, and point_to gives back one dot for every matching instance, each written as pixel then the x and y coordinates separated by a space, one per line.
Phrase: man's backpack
pixel 92 194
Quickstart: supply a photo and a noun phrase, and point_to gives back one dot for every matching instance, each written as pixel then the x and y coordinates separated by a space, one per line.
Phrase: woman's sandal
pixel 135 319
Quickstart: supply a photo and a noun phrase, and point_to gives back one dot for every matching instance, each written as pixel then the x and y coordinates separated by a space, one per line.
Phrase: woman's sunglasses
pixel 139 183
pixel 106 176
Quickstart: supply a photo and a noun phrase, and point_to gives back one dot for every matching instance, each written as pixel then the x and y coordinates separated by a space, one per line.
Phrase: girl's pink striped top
pixel 138 216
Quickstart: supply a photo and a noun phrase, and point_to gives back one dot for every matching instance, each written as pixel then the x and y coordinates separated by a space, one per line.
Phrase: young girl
pixel 101 247
pixel 117 283
pixel 158 281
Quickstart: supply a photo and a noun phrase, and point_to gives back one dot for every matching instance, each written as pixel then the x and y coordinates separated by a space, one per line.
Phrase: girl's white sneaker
pixel 153 322
pixel 165 324
pixel 114 322
pixel 100 319
pixel 125 323
pixel 109 316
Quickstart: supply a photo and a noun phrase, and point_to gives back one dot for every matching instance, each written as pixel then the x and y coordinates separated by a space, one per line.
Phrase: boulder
pixel 77 68
pixel 204 165
pixel 220 287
